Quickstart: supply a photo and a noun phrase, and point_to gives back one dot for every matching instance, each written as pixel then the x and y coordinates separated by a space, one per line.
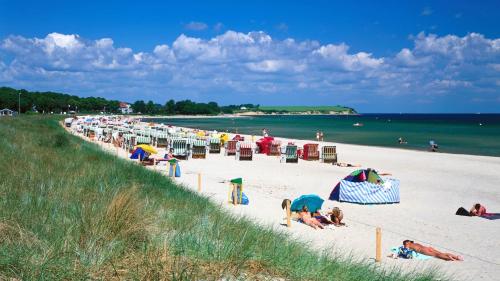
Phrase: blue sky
pixel 376 56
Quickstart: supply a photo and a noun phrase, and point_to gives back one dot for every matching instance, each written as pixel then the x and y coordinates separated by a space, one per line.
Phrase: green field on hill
pixel 292 109
pixel 69 211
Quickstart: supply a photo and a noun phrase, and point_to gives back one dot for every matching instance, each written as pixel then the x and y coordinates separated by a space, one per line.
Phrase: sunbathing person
pixel 340 164
pixel 306 218
pixel 477 210
pixel 429 251
pixel 336 215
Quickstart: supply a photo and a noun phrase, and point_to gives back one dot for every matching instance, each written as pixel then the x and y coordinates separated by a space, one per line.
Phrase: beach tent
pixel 366 187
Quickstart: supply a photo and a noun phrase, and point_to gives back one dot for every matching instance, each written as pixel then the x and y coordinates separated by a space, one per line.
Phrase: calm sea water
pixel 477 134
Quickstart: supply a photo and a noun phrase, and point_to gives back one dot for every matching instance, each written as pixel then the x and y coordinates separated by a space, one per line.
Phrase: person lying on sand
pixel 429 251
pixel 306 218
pixel 340 164
pixel 477 210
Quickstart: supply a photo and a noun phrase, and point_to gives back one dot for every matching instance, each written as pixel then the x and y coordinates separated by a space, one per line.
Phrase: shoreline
pixel 401 147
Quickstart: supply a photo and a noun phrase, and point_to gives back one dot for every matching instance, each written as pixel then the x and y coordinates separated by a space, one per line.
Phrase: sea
pixel 476 134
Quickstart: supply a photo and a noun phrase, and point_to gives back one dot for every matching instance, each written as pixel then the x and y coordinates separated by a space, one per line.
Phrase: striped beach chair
pixel 214 145
pixel 244 151
pixel 329 154
pixel 161 139
pixel 180 148
pixel 143 140
pixel 199 150
pixel 274 148
pixel 230 147
pixel 311 152
pixel 289 154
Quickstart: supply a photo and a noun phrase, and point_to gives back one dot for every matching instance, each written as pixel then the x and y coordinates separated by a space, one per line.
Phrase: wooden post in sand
pixel 288 214
pixel 199 182
pixel 235 194
pixel 378 249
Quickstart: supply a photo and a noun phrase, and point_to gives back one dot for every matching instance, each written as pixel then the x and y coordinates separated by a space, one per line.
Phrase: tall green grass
pixel 69 211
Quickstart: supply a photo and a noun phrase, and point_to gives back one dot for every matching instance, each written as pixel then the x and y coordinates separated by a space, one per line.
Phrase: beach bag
pixel 244 198
pixel 177 170
pixel 462 212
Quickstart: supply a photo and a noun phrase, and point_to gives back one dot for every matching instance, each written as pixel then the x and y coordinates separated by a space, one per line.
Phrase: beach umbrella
pixel 312 201
pixel 148 148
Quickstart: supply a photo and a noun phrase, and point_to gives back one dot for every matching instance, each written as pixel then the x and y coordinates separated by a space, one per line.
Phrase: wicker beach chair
pixel 199 150
pixel 274 148
pixel 290 154
pixel 230 147
pixel 214 145
pixel 329 154
pixel 244 151
pixel 161 139
pixel 180 148
pixel 311 152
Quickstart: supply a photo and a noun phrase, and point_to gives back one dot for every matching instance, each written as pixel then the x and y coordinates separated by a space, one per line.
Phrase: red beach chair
pixel 244 152
pixel 230 147
pixel 311 152
pixel 274 148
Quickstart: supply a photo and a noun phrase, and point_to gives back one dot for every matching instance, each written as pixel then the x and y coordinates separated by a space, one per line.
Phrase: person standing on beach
pixel 317 135
pixel 321 135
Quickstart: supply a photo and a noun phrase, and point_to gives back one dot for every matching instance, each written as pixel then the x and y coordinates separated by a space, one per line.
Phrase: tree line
pixel 47 102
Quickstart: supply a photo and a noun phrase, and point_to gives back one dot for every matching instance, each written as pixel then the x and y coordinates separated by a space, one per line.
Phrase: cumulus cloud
pixel 236 64
pixel 196 26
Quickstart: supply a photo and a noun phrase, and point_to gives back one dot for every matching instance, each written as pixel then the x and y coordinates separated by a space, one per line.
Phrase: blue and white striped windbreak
pixel 366 192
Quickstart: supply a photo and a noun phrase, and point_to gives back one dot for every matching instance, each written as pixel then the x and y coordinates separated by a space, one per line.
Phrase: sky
pixel 374 56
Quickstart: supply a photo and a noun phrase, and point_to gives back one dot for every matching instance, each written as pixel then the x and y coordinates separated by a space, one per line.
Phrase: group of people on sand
pixel 318 219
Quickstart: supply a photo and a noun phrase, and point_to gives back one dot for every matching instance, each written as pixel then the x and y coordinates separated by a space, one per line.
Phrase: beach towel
pixel 491 216
pixel 414 255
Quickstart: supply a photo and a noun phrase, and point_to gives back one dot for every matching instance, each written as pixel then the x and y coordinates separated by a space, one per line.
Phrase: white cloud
pixel 251 64
pixel 196 26
pixel 427 11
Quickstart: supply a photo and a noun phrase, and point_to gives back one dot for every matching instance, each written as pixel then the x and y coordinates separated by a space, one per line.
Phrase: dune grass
pixel 69 211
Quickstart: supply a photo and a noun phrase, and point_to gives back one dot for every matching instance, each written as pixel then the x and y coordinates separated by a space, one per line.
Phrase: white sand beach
pixel 433 186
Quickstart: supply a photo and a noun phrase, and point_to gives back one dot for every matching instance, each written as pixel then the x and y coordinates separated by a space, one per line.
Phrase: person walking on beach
pixel 429 251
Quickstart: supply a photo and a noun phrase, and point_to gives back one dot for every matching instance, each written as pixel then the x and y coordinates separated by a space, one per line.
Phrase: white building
pixel 125 108
pixel 7 112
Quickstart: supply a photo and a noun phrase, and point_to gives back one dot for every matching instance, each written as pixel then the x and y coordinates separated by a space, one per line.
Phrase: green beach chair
pixel 180 148
pixel 199 150
pixel 290 155
pixel 214 145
